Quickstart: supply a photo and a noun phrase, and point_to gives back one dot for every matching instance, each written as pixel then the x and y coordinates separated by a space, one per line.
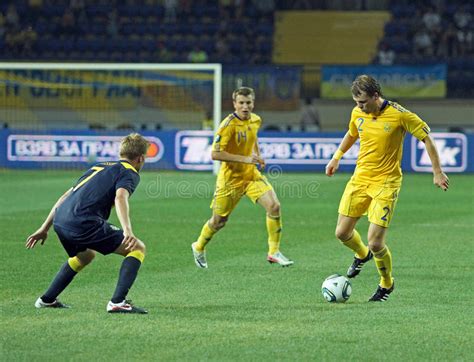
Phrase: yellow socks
pixel 206 235
pixel 274 233
pixel 355 243
pixel 383 260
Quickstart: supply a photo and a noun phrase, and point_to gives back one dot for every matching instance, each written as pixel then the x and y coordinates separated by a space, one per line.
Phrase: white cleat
pixel 199 257
pixel 125 307
pixel 56 304
pixel 279 258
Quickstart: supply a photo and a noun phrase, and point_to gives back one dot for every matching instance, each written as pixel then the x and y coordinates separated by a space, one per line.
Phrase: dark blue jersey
pixel 89 204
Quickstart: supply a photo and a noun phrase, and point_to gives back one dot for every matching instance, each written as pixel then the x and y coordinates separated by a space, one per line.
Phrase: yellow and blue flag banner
pixel 396 81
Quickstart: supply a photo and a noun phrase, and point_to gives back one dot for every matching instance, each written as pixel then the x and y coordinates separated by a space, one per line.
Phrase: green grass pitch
pixel 242 308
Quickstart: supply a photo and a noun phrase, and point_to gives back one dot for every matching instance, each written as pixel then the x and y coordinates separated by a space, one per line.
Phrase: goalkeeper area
pixel 109 96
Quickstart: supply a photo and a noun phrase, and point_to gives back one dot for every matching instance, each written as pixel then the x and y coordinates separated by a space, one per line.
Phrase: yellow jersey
pixel 381 142
pixel 238 137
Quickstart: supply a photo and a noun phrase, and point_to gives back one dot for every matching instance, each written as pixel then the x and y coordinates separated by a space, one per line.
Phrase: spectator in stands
pixel 197 55
pixel 171 10
pixel 462 17
pixel 423 46
pixel 465 37
pixel 465 40
pixel 432 21
pixel 310 120
pixel 448 46
pixel 385 55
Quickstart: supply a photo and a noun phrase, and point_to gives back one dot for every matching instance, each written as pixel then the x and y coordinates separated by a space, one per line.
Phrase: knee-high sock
pixel 62 279
pixel 274 227
pixel 206 235
pixel 355 243
pixel 127 275
pixel 383 261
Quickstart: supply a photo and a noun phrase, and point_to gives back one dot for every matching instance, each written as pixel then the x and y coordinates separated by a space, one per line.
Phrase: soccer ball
pixel 336 288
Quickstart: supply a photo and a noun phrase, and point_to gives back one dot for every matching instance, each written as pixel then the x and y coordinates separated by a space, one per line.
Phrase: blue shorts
pixel 105 239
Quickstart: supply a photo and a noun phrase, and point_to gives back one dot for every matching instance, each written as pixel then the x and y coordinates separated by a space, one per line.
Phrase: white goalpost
pixel 75 95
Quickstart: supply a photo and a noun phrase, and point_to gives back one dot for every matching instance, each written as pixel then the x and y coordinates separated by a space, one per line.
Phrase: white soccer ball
pixel 336 288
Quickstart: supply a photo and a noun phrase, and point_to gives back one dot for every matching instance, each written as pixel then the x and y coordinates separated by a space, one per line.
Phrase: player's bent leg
pixel 214 224
pixel 350 237
pixel 84 258
pixel 63 278
pixel 345 227
pixel 127 275
pixel 382 256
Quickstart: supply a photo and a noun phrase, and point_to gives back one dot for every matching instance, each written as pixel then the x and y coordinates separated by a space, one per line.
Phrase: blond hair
pixel 133 146
pixel 243 91
pixel 366 83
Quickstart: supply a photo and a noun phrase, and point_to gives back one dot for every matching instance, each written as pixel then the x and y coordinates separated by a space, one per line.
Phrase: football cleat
pixel 382 294
pixel 357 265
pixel 199 257
pixel 279 258
pixel 56 304
pixel 125 307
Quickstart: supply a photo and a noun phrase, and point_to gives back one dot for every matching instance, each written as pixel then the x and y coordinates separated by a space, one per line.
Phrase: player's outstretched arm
pixel 122 209
pixel 230 157
pixel 440 179
pixel 42 233
pixel 345 145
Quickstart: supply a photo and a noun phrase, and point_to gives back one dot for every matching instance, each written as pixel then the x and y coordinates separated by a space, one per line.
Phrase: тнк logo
pixel 452 148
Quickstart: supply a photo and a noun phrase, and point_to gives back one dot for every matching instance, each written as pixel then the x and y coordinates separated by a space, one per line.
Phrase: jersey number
pixel 96 171
pixel 387 211
pixel 361 122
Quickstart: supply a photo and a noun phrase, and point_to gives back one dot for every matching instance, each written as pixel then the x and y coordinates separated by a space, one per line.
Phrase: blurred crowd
pixel 224 31
pixel 425 32
pixel 229 32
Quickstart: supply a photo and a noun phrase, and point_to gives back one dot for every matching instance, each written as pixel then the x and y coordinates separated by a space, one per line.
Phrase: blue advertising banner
pixel 75 149
pixel 396 81
pixel 191 150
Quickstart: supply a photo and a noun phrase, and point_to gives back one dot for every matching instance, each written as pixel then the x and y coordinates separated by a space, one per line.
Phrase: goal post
pixel 109 96
pixel 79 95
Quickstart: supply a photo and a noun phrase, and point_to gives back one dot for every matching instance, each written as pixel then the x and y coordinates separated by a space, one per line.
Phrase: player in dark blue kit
pixel 80 221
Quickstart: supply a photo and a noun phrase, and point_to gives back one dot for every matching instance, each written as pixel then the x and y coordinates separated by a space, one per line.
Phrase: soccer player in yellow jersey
pixel 236 145
pixel 381 126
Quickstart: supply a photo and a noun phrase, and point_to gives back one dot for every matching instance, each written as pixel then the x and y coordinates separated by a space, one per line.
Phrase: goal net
pixel 45 96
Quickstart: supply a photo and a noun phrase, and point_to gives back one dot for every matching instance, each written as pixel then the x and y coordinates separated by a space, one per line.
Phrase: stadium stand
pixel 246 32
pixel 430 32
pixel 131 31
